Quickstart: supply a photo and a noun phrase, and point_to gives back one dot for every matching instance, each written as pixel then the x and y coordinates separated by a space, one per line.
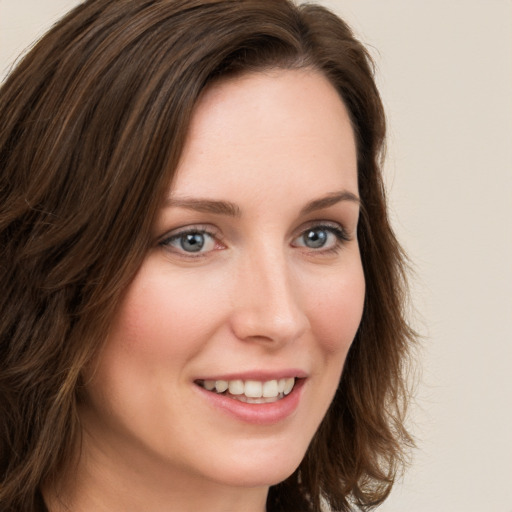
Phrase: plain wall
pixel 445 73
pixel 445 70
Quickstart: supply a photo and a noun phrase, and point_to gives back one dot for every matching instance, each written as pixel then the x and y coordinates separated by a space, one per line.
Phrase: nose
pixel 267 305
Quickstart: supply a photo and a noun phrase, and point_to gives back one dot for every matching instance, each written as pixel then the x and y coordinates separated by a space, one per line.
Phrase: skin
pixel 255 298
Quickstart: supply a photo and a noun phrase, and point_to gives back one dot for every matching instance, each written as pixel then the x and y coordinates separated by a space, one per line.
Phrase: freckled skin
pixel 256 298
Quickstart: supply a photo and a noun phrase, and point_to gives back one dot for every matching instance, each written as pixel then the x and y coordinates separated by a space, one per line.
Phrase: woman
pixel 202 304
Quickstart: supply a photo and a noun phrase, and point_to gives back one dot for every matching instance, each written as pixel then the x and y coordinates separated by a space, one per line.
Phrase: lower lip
pixel 257 414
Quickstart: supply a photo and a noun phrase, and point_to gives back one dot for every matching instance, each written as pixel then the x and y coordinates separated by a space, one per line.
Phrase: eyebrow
pixel 330 200
pixel 205 205
pixel 232 210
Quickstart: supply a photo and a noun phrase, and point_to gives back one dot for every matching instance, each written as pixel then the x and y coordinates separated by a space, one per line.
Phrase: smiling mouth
pixel 251 391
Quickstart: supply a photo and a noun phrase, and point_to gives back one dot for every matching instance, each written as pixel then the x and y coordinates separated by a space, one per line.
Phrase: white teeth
pixel 236 387
pixel 252 389
pixel 209 385
pixel 270 389
pixel 288 386
pixel 221 385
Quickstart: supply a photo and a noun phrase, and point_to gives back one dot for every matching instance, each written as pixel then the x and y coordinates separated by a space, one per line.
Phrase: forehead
pixel 277 125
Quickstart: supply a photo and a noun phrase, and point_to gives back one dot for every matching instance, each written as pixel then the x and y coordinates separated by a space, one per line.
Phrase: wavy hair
pixel 94 119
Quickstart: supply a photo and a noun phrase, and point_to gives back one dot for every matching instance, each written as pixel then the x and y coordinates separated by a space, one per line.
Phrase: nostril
pixel 266 326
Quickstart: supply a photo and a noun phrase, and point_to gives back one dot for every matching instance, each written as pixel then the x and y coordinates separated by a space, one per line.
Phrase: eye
pixel 323 237
pixel 192 241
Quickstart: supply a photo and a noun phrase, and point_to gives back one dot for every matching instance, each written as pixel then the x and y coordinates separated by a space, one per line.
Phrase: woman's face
pixel 254 282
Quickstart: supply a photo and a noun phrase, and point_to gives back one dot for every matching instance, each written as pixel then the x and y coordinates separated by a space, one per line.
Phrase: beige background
pixel 445 71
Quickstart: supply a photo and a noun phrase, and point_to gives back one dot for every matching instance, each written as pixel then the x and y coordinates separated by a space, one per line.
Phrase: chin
pixel 254 477
pixel 266 468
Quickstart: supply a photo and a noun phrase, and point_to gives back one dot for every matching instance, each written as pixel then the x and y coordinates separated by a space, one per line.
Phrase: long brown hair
pixel 93 122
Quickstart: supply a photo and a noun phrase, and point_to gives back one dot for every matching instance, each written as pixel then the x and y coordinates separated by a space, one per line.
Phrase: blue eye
pixel 315 238
pixel 192 241
pixel 322 237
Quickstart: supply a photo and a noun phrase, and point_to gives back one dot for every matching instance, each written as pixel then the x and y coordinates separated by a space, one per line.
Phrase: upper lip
pixel 258 375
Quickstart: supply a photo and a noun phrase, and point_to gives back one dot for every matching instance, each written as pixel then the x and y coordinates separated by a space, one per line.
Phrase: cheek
pixel 160 316
pixel 337 309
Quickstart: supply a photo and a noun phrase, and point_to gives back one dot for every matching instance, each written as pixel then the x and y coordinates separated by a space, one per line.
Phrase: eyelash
pixel 194 230
pixel 339 232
